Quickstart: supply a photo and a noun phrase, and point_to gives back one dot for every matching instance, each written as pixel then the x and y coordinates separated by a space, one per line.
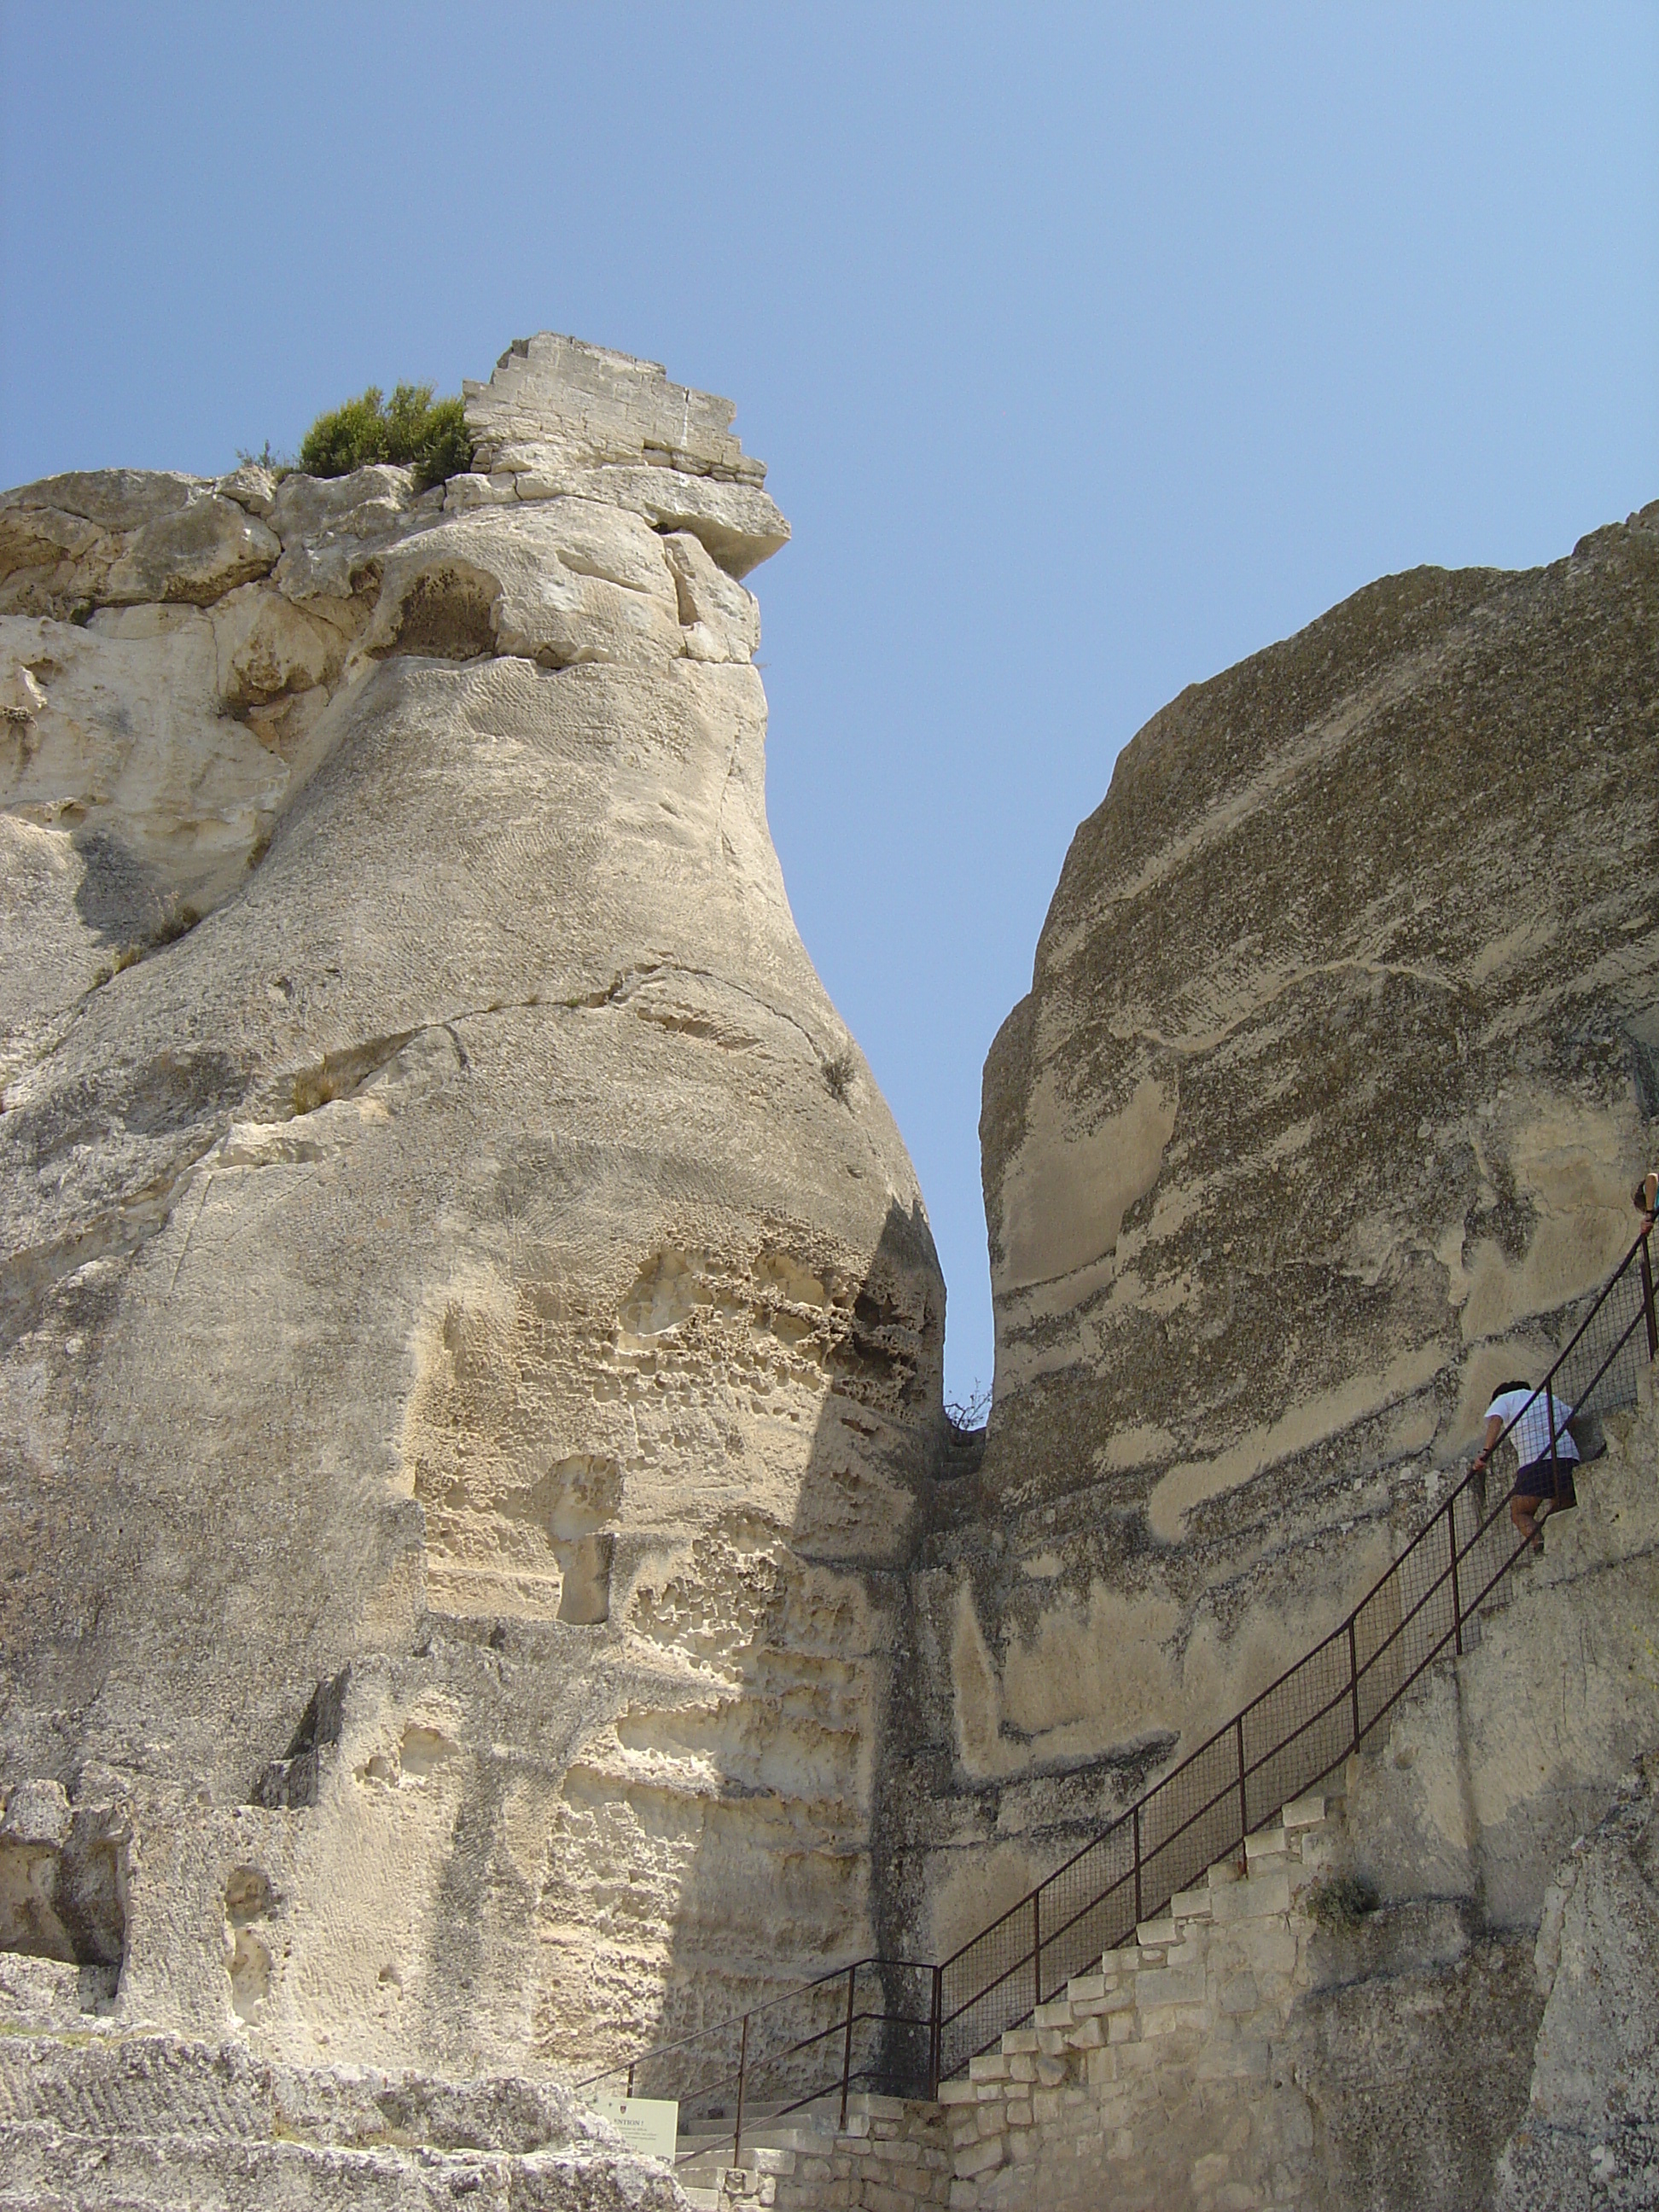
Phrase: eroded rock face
pixel 95 2118
pixel 1590 2138
pixel 456 1252
pixel 1338 1062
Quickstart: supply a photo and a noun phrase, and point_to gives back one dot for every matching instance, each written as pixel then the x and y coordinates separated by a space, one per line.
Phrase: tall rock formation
pixel 1340 1056
pixel 471 1334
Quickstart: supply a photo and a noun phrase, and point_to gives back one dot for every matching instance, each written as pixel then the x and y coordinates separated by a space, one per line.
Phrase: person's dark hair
pixel 1640 1195
pixel 1503 1389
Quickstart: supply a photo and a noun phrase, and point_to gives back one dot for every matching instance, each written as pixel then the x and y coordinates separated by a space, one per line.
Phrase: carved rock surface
pixel 1340 1057
pixel 452 1238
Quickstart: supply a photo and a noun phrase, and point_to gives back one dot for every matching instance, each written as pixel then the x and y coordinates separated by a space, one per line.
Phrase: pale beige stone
pixel 561 582
pixel 560 395
pixel 475 1253
pixel 1293 1149
pixel 195 554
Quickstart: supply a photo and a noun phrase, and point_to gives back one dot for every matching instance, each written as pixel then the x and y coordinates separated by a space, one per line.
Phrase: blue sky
pixel 1090 348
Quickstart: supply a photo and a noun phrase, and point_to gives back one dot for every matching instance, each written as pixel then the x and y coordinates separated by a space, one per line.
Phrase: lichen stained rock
pixel 1340 1056
pixel 455 1252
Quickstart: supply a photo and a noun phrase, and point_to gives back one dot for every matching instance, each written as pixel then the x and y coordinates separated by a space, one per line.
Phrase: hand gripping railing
pixel 902 2027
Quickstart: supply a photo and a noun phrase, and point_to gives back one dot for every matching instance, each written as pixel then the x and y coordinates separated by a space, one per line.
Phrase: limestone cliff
pixel 1341 1052
pixel 470 1332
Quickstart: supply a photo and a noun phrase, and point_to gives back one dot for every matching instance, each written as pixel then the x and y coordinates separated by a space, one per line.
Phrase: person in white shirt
pixel 1544 1484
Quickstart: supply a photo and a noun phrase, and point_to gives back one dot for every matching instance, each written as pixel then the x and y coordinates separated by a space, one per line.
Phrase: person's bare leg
pixel 1522 1511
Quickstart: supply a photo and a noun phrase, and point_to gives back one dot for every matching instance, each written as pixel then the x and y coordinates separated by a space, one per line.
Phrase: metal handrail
pixel 1355 1687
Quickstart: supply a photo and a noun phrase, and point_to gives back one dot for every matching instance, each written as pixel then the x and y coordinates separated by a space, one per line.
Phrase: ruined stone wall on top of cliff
pixel 1339 1059
pixel 451 1236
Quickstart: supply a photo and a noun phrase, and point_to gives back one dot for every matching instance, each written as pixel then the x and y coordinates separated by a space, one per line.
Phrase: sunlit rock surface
pixel 456 1257
pixel 1340 1056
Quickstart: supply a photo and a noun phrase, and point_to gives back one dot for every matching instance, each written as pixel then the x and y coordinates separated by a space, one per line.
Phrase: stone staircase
pixel 892 2156
pixel 1174 2032
pixel 1159 2061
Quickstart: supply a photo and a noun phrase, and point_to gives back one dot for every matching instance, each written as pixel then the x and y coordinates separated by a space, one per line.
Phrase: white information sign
pixel 649 2125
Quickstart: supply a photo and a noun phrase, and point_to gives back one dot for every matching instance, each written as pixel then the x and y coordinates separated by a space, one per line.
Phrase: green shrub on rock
pixel 411 430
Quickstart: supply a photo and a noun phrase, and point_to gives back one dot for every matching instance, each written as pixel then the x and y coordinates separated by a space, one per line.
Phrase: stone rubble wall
pixel 893 2156
pixel 1153 2081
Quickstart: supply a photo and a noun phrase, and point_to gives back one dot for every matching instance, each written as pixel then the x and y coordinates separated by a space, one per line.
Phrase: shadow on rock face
pixel 789 1876
pixel 119 897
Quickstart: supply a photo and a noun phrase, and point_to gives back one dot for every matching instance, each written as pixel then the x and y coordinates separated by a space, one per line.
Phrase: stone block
pixel 1191 1905
pixel 965 2197
pixel 1087 2035
pixel 980 2158
pixel 1019 2038
pixel 1051 2072
pixel 1022 2069
pixel 1051 2041
pixel 1209 2172
pixel 1100 2068
pixel 1151 1934
pixel 991 2119
pixel 1167 1985
pixel 1082 1988
pixel 1176 2020
pixel 1121 2027
pixel 1058 2014
pixel 1303 1812
pixel 1223 1874
pixel 767 2160
pixel 1126 1962
pixel 1266 1844
pixel 878 2198
pixel 958 2092
pixel 1266 1946
pixel 1239 1993
pixel 1263 1894
pixel 989 2066
pixel 1020 2111
pixel 1245 2061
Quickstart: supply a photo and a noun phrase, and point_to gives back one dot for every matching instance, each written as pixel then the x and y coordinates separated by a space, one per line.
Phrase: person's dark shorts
pixel 1538 1481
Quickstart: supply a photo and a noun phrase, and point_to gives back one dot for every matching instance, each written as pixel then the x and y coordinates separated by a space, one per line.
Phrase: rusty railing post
pixel 1243 1800
pixel 1647 1302
pixel 742 2068
pixel 1036 1948
pixel 935 2040
pixel 1137 1826
pixel 630 2078
pixel 1354 1679
pixel 847 2046
pixel 1458 1602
